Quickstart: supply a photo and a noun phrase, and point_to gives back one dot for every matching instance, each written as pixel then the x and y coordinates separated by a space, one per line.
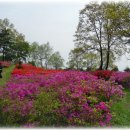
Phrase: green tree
pixel 40 54
pixel 83 61
pixel 75 59
pixel 5 42
pixel 44 53
pixel 33 53
pixel 56 60
pixel 102 29
pixel 12 44
pixel 21 49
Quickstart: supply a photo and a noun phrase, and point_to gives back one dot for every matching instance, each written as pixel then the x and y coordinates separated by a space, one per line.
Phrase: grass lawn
pixel 121 111
pixel 6 74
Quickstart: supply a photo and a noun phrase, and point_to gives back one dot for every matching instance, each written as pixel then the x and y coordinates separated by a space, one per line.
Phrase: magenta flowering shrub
pixel 122 78
pixel 81 96
pixel 21 91
pixel 84 99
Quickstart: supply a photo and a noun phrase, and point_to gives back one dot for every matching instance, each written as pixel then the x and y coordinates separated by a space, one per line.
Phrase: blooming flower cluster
pixel 28 69
pixel 122 78
pixel 84 99
pixel 5 63
pixel 106 74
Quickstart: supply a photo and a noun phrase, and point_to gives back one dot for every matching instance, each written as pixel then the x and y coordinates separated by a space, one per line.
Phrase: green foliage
pixel 46 105
pixel 78 59
pixel 32 63
pixel 40 53
pixel 103 29
pixel 12 44
pixel 56 60
pixel 1 58
pixel 9 117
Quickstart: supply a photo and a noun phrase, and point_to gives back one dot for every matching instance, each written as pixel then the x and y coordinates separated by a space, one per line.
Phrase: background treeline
pixel 14 47
pixel 102 36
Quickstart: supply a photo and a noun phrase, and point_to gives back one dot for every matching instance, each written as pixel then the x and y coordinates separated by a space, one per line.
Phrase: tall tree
pixel 101 28
pixel 6 41
pixel 12 44
pixel 20 49
pixel 75 59
pixel 84 61
pixel 56 60
pixel 44 53
pixel 33 53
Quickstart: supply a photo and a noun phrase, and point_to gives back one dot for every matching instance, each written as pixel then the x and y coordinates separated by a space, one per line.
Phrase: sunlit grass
pixel 121 111
pixel 6 74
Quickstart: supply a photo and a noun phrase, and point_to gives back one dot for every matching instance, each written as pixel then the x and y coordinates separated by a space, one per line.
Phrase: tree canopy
pixel 104 30
pixel 12 43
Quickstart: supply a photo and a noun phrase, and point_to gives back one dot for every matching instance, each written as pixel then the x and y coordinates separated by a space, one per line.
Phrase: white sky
pixel 48 20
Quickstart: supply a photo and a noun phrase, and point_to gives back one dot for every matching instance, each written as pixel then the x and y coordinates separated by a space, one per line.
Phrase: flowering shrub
pixel 58 98
pixel 84 98
pixel 122 78
pixel 5 63
pixel 105 74
pixel 28 69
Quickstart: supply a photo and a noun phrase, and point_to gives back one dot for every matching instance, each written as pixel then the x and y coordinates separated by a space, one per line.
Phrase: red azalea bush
pixel 105 74
pixel 28 69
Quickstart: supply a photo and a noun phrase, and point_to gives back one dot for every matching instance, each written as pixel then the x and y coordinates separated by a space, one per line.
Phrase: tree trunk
pixel 56 67
pixel 101 59
pixel 3 58
pixel 41 63
pixel 46 65
pixel 108 57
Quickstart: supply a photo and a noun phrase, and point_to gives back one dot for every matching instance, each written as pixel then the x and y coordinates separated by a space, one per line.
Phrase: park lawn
pixel 121 111
pixel 6 75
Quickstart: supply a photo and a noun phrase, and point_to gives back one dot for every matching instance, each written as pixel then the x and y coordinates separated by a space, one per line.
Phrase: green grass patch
pixel 6 75
pixel 121 111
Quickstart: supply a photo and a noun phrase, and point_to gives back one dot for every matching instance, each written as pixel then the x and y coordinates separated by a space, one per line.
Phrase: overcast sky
pixel 48 21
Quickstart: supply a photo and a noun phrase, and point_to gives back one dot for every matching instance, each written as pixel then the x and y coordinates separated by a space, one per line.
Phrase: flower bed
pixel 105 74
pixel 5 63
pixel 28 69
pixel 58 98
pixel 122 78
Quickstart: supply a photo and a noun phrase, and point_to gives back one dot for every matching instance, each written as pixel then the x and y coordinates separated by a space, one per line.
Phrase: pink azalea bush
pixel 122 78
pixel 82 99
pixel 5 63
